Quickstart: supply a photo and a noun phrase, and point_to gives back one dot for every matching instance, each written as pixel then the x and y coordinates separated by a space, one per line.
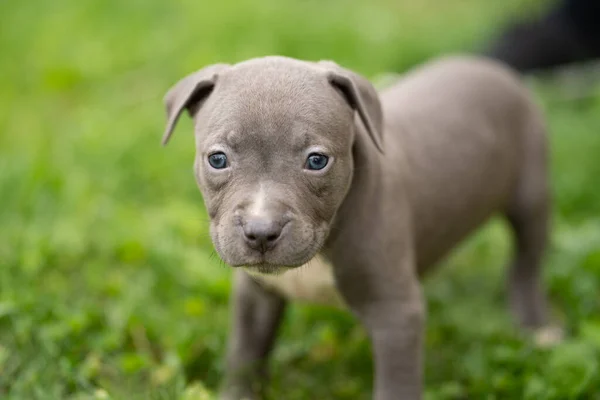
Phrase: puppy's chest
pixel 313 283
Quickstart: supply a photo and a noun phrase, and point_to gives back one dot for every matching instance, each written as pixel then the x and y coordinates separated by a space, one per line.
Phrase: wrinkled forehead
pixel 274 105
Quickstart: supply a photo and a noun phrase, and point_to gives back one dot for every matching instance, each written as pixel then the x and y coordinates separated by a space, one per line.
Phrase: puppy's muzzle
pixel 263 233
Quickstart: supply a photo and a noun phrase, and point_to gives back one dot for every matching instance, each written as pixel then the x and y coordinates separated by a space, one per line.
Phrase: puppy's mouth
pixel 266 264
pixel 266 269
pixel 294 250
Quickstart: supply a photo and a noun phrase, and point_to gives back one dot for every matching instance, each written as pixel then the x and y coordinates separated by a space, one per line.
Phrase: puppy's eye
pixel 218 160
pixel 316 161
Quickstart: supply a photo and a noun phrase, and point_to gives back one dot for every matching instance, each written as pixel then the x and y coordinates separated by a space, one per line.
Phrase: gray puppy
pixel 298 160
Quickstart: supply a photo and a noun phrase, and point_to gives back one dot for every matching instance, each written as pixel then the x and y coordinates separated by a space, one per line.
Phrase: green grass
pixel 107 283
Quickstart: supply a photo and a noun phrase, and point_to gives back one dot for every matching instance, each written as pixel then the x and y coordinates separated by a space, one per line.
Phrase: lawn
pixel 109 287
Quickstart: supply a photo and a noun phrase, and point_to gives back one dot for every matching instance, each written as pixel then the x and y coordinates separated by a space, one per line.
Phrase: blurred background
pixel 109 287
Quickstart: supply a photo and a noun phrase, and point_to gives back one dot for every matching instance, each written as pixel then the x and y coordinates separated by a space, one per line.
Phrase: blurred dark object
pixel 568 33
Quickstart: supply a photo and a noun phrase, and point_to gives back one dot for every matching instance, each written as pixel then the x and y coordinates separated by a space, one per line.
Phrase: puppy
pixel 301 161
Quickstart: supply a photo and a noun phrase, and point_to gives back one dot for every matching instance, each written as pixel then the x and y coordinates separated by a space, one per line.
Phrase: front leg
pixel 387 300
pixel 256 316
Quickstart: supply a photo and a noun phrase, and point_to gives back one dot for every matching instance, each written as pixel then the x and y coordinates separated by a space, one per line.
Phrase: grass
pixel 107 284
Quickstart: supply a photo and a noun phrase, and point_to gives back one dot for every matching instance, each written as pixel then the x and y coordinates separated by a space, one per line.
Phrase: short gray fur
pixel 412 171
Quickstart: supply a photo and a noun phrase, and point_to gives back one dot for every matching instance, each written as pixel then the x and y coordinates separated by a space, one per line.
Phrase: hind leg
pixel 526 293
pixel 528 215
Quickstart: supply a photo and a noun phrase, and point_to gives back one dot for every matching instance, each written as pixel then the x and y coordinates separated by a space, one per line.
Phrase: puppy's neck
pixel 365 189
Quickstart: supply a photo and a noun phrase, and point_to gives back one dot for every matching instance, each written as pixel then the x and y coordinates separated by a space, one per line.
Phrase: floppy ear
pixel 362 97
pixel 188 93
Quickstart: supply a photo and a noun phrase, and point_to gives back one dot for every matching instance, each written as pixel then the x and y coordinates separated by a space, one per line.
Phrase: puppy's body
pixel 462 140
pixel 471 139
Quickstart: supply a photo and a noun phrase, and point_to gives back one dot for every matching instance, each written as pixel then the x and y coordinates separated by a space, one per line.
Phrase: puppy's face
pixel 274 163
pixel 274 139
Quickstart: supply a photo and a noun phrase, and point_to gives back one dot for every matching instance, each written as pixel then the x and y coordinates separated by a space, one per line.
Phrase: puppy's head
pixel 274 139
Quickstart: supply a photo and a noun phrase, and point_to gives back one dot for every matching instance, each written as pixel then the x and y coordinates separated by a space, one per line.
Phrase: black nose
pixel 262 234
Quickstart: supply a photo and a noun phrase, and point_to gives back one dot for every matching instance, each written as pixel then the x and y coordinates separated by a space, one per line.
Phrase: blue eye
pixel 218 160
pixel 316 161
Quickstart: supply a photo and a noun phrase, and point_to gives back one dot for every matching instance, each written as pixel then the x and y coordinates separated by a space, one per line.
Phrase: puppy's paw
pixel 237 396
pixel 548 336
pixel 239 391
